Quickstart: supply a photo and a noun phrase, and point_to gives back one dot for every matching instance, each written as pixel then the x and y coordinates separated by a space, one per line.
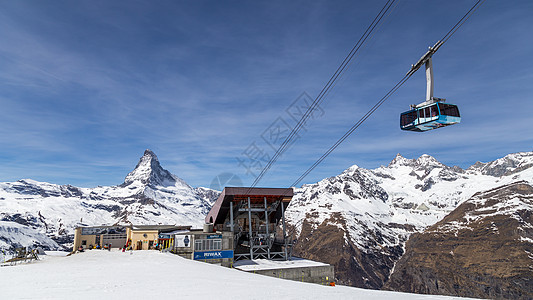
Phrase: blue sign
pixel 214 236
pixel 213 254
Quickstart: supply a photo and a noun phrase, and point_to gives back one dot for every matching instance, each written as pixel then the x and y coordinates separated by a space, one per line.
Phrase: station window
pixel 198 245
pixel 84 242
pixel 217 244
pixel 208 244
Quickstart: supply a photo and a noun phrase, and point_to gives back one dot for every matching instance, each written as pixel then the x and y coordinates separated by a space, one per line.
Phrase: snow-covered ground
pixel 154 275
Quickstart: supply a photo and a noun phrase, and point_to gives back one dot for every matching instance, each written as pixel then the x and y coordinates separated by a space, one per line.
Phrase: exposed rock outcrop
pixel 484 249
pixel 366 216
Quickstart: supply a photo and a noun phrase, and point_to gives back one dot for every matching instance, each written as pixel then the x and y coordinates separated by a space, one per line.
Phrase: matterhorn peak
pixel 149 172
pixel 150 154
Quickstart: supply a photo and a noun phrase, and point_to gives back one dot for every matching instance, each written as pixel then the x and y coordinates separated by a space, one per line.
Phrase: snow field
pixel 153 275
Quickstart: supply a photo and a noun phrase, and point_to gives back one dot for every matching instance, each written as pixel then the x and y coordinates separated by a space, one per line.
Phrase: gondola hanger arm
pixel 424 58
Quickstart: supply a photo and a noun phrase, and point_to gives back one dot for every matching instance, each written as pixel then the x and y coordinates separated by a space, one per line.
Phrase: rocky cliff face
pixel 332 242
pixel 484 249
pixel 208 195
pixel 149 195
pixel 360 220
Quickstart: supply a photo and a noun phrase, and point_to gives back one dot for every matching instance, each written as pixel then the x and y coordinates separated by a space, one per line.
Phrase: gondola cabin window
pixel 408 118
pixel 449 110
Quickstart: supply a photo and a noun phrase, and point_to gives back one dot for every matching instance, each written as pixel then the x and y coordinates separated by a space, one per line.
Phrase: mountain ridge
pixel 149 194
pixel 359 220
pixel 378 210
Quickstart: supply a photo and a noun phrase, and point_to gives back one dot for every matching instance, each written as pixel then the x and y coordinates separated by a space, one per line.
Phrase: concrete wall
pixel 77 239
pixel 116 240
pixel 91 240
pixel 317 274
pixel 138 235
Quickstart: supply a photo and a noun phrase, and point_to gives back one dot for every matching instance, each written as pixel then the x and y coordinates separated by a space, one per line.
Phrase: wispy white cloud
pixel 93 85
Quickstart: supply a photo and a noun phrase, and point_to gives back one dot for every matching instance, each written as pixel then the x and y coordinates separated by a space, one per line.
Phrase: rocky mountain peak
pixel 150 154
pixel 510 164
pixel 427 160
pixel 351 170
pixel 32 212
pixel 149 172
pixel 399 160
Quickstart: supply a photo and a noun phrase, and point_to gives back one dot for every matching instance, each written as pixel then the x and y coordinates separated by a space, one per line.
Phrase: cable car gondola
pixel 432 113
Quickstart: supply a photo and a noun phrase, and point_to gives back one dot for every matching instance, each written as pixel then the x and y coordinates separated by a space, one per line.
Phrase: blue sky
pixel 87 86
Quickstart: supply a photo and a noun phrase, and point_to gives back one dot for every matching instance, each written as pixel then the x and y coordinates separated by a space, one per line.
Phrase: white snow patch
pixel 526 239
pixel 154 275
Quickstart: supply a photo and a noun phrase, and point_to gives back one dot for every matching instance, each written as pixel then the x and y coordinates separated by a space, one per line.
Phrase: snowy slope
pixel 153 275
pixel 377 210
pixel 149 195
pixel 489 237
pixel 417 192
pixel 12 233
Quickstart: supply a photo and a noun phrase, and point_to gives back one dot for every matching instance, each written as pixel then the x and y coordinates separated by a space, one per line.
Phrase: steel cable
pixel 325 90
pixel 446 37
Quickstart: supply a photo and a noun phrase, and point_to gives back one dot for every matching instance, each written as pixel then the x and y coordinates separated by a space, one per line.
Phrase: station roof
pixel 236 194
pixel 104 226
pixel 159 227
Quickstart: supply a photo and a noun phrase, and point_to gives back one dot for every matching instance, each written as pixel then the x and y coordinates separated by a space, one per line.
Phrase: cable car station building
pixel 253 216
pixel 244 229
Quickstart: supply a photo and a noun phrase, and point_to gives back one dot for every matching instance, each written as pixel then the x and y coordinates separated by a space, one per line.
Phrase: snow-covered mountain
pixel 13 234
pixel 360 220
pixel 149 195
pixel 489 237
